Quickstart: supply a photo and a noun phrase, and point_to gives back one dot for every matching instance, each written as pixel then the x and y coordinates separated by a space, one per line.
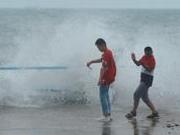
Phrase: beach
pixel 46 88
pixel 82 120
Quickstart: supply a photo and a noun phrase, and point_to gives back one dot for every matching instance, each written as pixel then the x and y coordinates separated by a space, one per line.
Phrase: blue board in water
pixel 34 68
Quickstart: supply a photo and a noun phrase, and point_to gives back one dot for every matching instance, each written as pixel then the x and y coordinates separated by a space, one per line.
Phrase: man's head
pixel 148 51
pixel 101 44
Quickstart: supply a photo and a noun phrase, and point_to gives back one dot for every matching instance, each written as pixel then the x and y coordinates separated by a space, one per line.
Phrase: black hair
pixel 100 41
pixel 148 49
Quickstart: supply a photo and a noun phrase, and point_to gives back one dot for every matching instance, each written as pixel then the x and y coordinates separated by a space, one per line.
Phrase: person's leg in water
pixel 108 101
pixel 137 95
pixel 136 98
pixel 148 102
pixel 105 102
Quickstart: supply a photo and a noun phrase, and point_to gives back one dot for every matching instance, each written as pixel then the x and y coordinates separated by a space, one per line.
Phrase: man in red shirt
pixel 107 76
pixel 148 65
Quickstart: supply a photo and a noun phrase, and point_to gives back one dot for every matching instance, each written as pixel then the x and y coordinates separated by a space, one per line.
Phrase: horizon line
pixel 116 8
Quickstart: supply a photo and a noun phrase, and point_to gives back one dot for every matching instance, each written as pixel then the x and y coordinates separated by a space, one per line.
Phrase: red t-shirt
pixel 108 69
pixel 148 61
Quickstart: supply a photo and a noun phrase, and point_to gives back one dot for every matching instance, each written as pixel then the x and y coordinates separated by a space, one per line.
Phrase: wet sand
pixel 82 120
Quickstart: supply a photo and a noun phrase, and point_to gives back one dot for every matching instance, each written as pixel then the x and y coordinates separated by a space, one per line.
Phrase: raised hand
pixel 133 56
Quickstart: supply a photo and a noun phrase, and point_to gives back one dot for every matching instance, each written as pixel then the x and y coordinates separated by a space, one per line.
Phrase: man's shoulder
pixel 153 57
pixel 108 52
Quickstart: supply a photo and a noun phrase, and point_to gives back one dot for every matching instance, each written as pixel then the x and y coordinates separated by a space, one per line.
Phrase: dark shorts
pixel 147 79
pixel 141 92
pixel 142 89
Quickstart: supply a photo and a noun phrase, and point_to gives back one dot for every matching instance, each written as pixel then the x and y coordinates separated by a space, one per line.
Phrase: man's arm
pixel 94 61
pixel 133 57
pixel 102 72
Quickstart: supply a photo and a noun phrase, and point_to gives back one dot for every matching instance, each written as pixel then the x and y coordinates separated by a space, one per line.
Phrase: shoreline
pixel 81 120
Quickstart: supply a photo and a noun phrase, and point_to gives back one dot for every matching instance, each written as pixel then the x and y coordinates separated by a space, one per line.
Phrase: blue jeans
pixel 104 98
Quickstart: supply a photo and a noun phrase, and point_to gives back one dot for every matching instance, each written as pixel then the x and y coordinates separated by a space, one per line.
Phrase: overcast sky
pixel 90 3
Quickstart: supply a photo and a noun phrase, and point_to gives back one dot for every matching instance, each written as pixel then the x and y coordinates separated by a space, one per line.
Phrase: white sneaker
pixel 105 119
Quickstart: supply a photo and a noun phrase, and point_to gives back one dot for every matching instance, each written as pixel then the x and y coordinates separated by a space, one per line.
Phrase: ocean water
pixel 65 37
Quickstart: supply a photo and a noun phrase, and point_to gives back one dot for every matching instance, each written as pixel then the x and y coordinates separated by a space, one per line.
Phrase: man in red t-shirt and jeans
pixel 148 65
pixel 107 76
